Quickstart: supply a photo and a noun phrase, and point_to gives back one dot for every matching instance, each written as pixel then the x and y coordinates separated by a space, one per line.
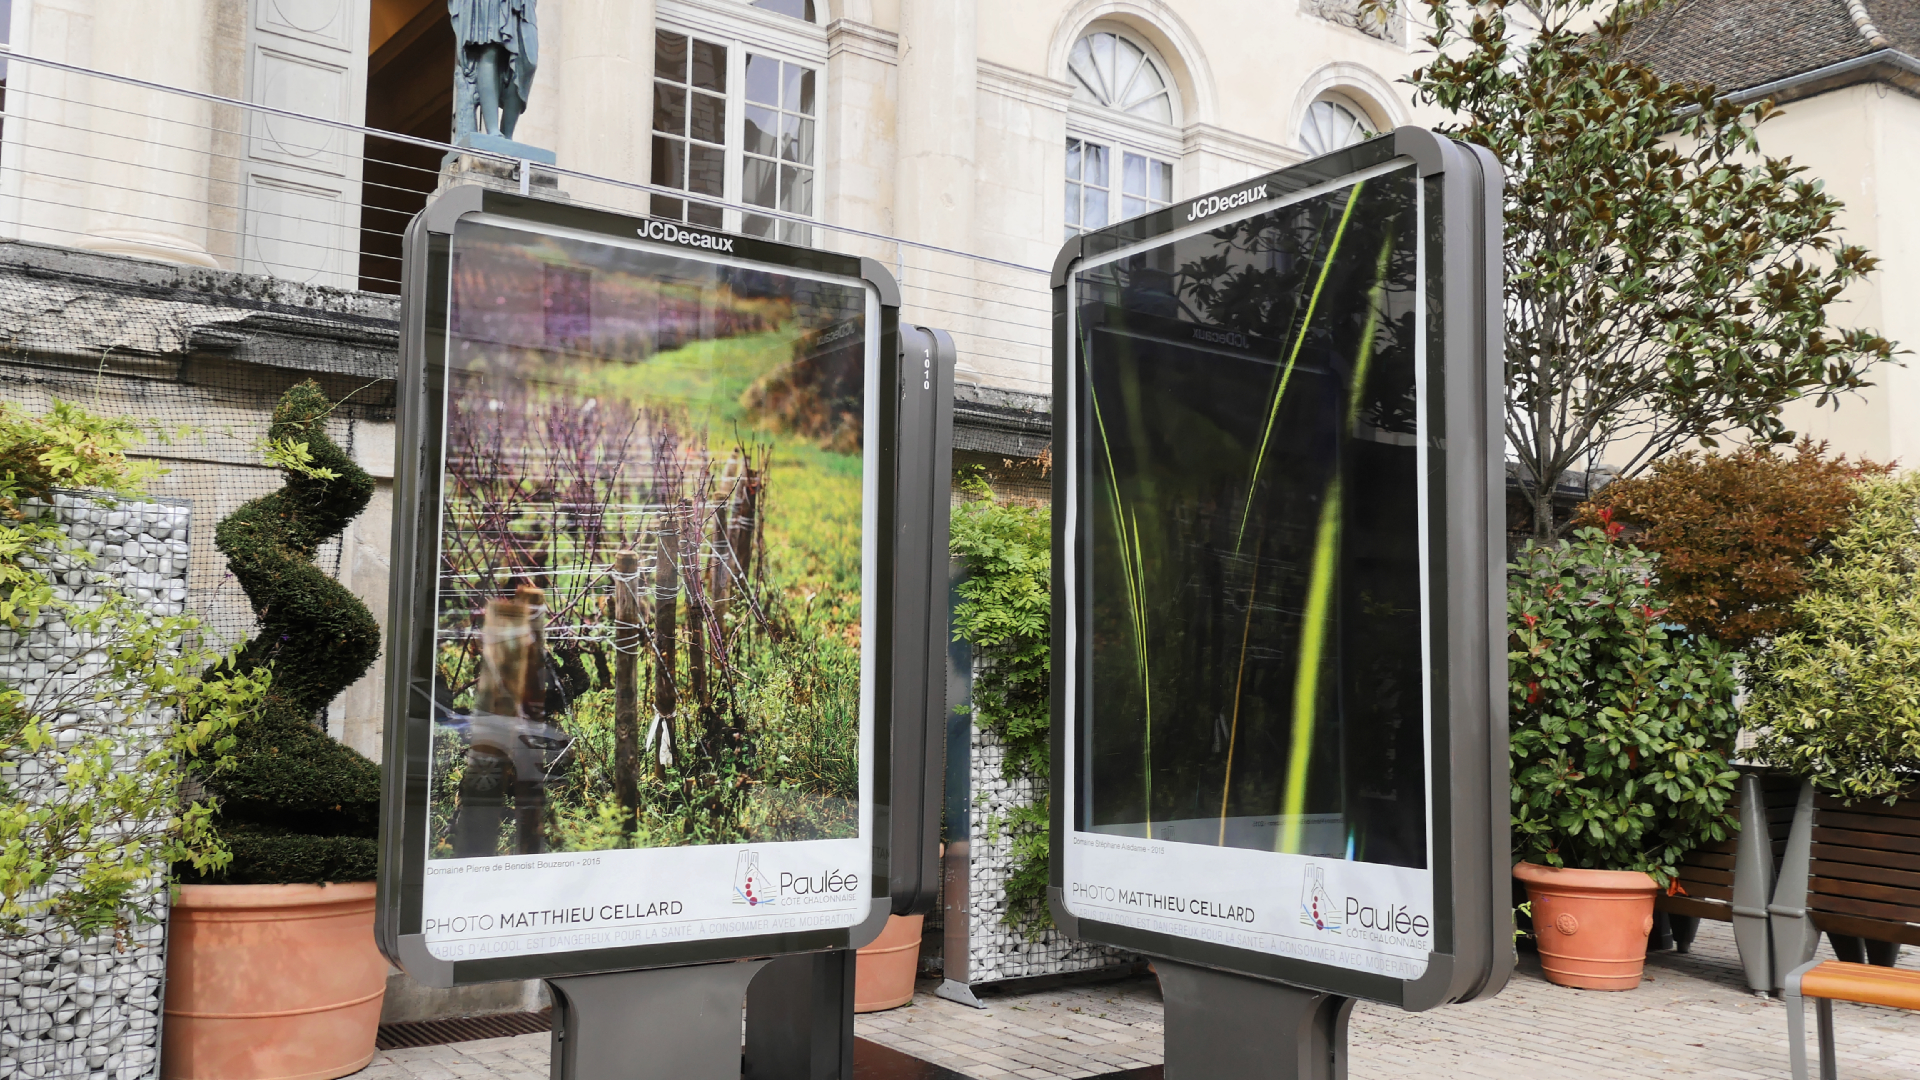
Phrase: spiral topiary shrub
pixel 296 806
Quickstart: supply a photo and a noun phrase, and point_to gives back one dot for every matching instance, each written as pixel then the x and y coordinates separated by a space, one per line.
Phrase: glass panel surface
pixel 670 56
pixel 1132 207
pixel 669 109
pixel 757 181
pixel 1133 174
pixel 706 169
pixel 663 207
pixel 1161 189
pixel 796 190
pixel 705 214
pixel 762 124
pixel 1093 211
pixel 648 459
pixel 1250 568
pixel 1095 165
pixel 707 119
pixel 709 66
pixel 799 9
pixel 763 80
pixel 796 139
pixel 805 104
pixel 669 162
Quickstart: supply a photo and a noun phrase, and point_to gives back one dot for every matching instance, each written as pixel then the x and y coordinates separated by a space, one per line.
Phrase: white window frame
pixel 743 28
pixel 1121 133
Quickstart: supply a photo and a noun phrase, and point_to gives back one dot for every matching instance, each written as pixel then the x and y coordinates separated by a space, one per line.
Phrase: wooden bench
pixel 1732 880
pixel 1828 981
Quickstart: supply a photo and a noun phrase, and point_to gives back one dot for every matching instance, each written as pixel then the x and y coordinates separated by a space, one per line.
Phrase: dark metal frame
pixel 913 504
pixel 1473 951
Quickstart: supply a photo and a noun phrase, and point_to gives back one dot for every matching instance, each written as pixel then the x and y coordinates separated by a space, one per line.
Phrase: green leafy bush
pixel 296 806
pixel 1622 728
pixel 92 810
pixel 1837 698
pixel 1004 612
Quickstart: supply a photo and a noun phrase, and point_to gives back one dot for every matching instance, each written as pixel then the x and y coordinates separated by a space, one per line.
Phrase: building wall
pixel 1861 142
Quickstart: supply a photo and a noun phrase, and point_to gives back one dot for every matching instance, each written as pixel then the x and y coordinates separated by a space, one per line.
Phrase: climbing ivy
pixel 1004 612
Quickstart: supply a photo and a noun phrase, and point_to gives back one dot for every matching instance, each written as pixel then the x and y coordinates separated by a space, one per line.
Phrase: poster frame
pixel 426 270
pixel 1473 951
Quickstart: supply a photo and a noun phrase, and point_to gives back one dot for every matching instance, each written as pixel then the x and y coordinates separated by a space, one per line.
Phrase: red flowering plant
pixel 1622 723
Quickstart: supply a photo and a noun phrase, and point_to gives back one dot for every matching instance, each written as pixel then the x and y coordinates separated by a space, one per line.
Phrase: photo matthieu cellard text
pixel 1252 554
pixel 650 577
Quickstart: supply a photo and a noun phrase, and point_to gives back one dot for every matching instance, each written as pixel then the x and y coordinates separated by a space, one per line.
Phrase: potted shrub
pixel 273 971
pixel 1622 730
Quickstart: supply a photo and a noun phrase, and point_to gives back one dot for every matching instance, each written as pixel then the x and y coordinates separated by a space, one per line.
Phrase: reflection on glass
pixel 1251 557
pixel 650 570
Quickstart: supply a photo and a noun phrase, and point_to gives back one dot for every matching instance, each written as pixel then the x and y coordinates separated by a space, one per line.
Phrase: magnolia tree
pixel 1666 282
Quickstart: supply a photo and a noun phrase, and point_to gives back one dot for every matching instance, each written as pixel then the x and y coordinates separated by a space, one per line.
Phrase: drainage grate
pixel 462 1029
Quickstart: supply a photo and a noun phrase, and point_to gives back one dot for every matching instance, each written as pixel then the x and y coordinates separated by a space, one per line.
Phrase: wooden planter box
pixel 1732 880
pixel 1849 870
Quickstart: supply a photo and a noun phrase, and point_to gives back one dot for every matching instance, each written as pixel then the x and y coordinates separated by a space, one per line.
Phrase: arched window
pixel 1334 121
pixel 1121 147
pixel 1114 73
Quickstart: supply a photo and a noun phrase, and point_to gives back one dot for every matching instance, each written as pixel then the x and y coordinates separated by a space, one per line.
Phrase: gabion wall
pixel 87 1010
pixel 996 950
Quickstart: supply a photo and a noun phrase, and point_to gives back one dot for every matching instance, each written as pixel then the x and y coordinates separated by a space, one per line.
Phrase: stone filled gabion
pixel 995 950
pixel 90 1010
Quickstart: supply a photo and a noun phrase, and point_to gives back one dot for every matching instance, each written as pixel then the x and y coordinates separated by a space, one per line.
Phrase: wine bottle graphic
pixel 1316 906
pixel 749 883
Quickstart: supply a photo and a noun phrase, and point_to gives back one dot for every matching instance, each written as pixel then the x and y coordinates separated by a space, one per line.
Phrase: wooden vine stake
pixel 626 685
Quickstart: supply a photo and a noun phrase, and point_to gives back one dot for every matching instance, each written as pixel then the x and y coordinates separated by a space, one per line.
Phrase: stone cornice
pixel 1232 144
pixel 862 39
pixel 1025 86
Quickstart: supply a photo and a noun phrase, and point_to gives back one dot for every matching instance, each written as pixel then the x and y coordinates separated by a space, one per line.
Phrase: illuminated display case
pixel 1279 716
pixel 651 614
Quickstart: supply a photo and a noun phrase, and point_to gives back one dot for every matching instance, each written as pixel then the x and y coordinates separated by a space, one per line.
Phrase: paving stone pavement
pixel 1692 1017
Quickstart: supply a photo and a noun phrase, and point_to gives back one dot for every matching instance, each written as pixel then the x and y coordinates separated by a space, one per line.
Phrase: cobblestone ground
pixel 1692 1017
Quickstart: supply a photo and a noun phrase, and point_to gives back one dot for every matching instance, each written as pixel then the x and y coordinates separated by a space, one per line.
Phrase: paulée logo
pixel 1351 916
pixel 751 885
pixel 1215 204
pixel 672 233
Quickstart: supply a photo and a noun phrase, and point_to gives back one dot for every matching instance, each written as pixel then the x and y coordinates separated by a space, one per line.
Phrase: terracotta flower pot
pixel 1591 924
pixel 883 971
pixel 271 982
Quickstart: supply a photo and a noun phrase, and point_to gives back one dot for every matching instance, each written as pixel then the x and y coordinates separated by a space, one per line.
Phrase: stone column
pixel 934 122
pixel 151 150
pixel 605 79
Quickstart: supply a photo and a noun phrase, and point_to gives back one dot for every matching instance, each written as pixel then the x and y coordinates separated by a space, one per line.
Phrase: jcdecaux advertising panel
pixel 643 601
pixel 1275 714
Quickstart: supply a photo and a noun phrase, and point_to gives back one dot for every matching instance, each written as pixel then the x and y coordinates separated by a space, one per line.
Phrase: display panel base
pixel 1221 1024
pixel 677 1023
pixel 800 1018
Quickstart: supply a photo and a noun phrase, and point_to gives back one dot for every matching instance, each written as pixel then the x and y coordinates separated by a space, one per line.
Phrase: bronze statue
pixel 495 48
